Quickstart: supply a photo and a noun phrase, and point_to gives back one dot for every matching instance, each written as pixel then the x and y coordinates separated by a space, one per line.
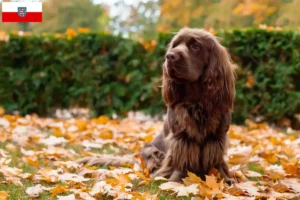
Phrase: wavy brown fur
pixel 199 111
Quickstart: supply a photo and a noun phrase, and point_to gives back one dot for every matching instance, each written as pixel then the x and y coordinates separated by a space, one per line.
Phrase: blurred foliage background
pixel 107 55
pixel 144 18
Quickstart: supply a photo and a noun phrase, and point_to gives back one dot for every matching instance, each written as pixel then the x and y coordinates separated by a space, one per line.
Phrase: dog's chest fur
pixel 190 124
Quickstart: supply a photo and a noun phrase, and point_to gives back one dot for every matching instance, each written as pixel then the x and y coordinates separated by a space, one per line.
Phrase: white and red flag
pixel 22 12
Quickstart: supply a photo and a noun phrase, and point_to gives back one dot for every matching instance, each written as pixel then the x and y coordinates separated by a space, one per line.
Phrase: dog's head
pixel 187 55
pixel 195 57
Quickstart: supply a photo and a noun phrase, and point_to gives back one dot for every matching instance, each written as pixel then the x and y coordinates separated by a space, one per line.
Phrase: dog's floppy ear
pixel 219 76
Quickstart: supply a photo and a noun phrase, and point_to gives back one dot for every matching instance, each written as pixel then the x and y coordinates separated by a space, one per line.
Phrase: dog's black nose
pixel 172 56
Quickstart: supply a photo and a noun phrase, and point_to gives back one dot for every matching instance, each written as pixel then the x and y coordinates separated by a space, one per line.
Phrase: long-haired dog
pixel 198 89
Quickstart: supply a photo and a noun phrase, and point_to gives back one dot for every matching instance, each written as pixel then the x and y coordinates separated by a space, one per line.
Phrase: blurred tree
pixel 140 20
pixel 261 10
pixel 59 15
pixel 289 14
pixel 176 14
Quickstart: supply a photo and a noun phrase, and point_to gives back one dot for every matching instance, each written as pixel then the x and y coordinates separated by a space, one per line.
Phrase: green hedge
pixel 112 74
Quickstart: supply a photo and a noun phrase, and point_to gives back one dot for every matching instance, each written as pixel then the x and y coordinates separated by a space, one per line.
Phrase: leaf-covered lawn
pixel 37 160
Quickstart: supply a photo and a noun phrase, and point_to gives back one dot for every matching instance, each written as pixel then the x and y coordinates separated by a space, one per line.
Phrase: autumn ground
pixel 37 160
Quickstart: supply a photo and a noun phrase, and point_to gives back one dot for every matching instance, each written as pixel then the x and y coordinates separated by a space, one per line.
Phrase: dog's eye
pixel 195 46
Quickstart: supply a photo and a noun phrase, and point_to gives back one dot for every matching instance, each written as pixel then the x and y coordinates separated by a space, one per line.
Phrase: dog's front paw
pixel 153 158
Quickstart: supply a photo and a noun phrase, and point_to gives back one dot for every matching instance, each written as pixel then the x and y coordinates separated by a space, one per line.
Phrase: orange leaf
pixel 101 120
pixel 32 162
pixel 57 132
pixel 215 172
pixel 3 195
pixel 282 188
pixel 106 135
pixel 192 179
pixel 235 191
pixel 81 125
pixel 58 190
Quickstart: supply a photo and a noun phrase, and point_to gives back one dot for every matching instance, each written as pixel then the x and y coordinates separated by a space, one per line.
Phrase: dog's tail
pixel 107 160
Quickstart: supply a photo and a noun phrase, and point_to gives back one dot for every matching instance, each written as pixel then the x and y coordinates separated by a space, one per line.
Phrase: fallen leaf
pixel 52 141
pixel 192 179
pixel 3 195
pixel 235 191
pixel 100 187
pixel 180 189
pixel 282 188
pixel 58 190
pixel 72 177
pixel 239 155
pixel 252 174
pixel 4 122
pixel 69 197
pixel 34 191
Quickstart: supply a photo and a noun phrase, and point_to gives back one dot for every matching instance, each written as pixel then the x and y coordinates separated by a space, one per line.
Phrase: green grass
pixel 153 188
pixel 17 192
pixel 256 168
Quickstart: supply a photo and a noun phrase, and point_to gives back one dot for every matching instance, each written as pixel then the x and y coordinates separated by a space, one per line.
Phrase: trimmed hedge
pixel 272 58
pixel 111 74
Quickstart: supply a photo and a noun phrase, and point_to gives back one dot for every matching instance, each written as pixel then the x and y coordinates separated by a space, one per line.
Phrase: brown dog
pixel 198 89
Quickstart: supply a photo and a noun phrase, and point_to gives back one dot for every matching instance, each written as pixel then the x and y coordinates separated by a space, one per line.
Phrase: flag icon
pixel 22 12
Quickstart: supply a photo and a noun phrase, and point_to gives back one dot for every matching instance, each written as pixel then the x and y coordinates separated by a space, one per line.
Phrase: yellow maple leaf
pixel 192 179
pixel 11 118
pixel 121 180
pixel 211 187
pixel 270 157
pixel 57 132
pixel 81 125
pixel 58 190
pixel 275 141
pixel 293 169
pixel 3 195
pixel 106 135
pixel 236 191
pixel 211 181
pixel 32 162
pixel 101 120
